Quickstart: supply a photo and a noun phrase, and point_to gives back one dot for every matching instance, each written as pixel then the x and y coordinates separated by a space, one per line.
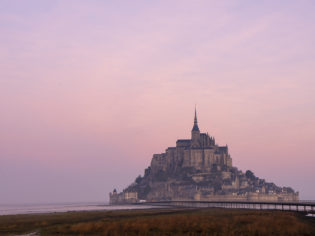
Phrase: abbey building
pixel 199 169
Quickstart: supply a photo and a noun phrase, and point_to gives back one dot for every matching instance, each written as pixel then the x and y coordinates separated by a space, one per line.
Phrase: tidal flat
pixel 167 221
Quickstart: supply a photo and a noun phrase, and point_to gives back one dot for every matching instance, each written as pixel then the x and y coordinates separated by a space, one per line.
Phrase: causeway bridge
pixel 303 206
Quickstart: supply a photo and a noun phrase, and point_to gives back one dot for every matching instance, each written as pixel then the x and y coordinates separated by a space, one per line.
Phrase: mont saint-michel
pixel 199 169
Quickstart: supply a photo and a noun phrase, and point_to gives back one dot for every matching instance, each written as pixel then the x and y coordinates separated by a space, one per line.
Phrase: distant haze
pixel 89 90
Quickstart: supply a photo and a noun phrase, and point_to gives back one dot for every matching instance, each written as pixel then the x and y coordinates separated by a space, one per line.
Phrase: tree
pixel 138 179
pixel 250 175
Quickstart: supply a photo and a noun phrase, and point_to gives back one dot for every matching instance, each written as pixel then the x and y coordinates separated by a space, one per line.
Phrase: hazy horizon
pixel 90 90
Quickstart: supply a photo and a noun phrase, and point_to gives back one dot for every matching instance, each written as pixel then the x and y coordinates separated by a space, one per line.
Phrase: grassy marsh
pixel 161 222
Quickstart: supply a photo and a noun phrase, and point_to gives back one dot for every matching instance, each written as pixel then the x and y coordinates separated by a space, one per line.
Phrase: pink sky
pixel 89 90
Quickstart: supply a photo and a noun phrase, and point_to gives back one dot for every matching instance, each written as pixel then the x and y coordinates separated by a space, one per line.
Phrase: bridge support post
pixel 282 206
pixel 297 208
pixel 290 207
pixel 304 208
pixel 312 208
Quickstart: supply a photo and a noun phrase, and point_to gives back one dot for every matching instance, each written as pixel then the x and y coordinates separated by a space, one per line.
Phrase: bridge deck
pixel 305 206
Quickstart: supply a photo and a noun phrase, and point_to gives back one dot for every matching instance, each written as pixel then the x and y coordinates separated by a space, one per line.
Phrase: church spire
pixel 195 127
pixel 195 121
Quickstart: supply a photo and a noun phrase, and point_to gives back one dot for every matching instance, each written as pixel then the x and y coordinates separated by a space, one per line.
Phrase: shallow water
pixel 49 208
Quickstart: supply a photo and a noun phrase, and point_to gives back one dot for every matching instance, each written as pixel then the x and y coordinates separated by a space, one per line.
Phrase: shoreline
pixel 53 208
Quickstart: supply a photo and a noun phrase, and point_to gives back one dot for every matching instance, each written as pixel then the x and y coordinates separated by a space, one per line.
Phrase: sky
pixel 90 90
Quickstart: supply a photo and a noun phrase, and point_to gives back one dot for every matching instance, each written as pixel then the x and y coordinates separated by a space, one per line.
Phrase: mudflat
pixel 213 221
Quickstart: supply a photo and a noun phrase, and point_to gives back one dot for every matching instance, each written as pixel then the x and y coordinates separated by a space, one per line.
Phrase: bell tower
pixel 195 132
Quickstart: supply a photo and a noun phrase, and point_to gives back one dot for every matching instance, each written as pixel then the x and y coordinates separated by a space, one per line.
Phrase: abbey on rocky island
pixel 199 169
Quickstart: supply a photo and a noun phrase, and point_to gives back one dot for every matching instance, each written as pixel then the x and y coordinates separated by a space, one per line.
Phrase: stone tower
pixel 195 133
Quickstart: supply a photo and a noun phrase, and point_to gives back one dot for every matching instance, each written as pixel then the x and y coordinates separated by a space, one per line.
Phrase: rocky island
pixel 199 169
